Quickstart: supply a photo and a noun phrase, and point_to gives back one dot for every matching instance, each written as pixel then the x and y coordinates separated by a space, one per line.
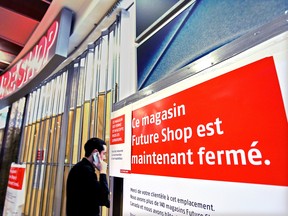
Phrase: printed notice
pixel 167 196
pixel 118 130
pixel 120 142
pixel 165 205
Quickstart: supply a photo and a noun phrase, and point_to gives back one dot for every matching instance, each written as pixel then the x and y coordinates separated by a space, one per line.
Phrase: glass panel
pixel 30 170
pixel 86 126
pixel 105 211
pixel 38 202
pixel 3 119
pixel 63 207
pixel 74 88
pixel 57 138
pixel 46 137
pixel 63 92
pixel 76 135
pixel 89 75
pixel 81 87
pixel 108 117
pixel 104 64
pixel 69 145
pixel 28 142
pixel 48 174
pixel 27 135
pixel 51 139
pixel 93 118
pixel 51 190
pixel 29 179
pixel 100 116
pixel 96 74
pixel 111 49
pixel 33 174
pixel 38 175
pixel 45 190
pixel 43 183
pixel 26 205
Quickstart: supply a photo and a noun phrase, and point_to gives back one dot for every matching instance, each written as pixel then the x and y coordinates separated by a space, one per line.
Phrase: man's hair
pixel 93 143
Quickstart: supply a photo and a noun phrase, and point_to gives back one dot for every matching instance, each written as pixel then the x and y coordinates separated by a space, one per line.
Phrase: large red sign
pixel 230 128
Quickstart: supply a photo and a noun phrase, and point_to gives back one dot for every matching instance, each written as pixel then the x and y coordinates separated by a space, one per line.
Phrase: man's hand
pixel 103 167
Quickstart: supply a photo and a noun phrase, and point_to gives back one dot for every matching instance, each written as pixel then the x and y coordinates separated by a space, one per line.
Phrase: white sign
pixel 120 142
pixel 15 194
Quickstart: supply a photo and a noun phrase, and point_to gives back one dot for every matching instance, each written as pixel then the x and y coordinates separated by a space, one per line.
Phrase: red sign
pixel 40 155
pixel 230 128
pixel 16 178
pixel 118 130
pixel 29 66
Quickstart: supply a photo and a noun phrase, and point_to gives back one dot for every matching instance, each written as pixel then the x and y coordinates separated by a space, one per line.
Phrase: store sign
pixel 29 66
pixel 45 56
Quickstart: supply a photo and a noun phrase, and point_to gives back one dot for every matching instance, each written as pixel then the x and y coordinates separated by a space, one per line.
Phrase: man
pixel 85 194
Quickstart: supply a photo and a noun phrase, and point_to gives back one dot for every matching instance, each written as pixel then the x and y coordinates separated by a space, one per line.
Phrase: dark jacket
pixel 85 194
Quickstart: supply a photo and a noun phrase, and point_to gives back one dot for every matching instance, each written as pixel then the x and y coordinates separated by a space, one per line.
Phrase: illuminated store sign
pixel 45 56
pixel 28 67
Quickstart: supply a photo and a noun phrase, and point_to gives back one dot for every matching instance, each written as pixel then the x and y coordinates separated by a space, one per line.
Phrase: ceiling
pixel 19 19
